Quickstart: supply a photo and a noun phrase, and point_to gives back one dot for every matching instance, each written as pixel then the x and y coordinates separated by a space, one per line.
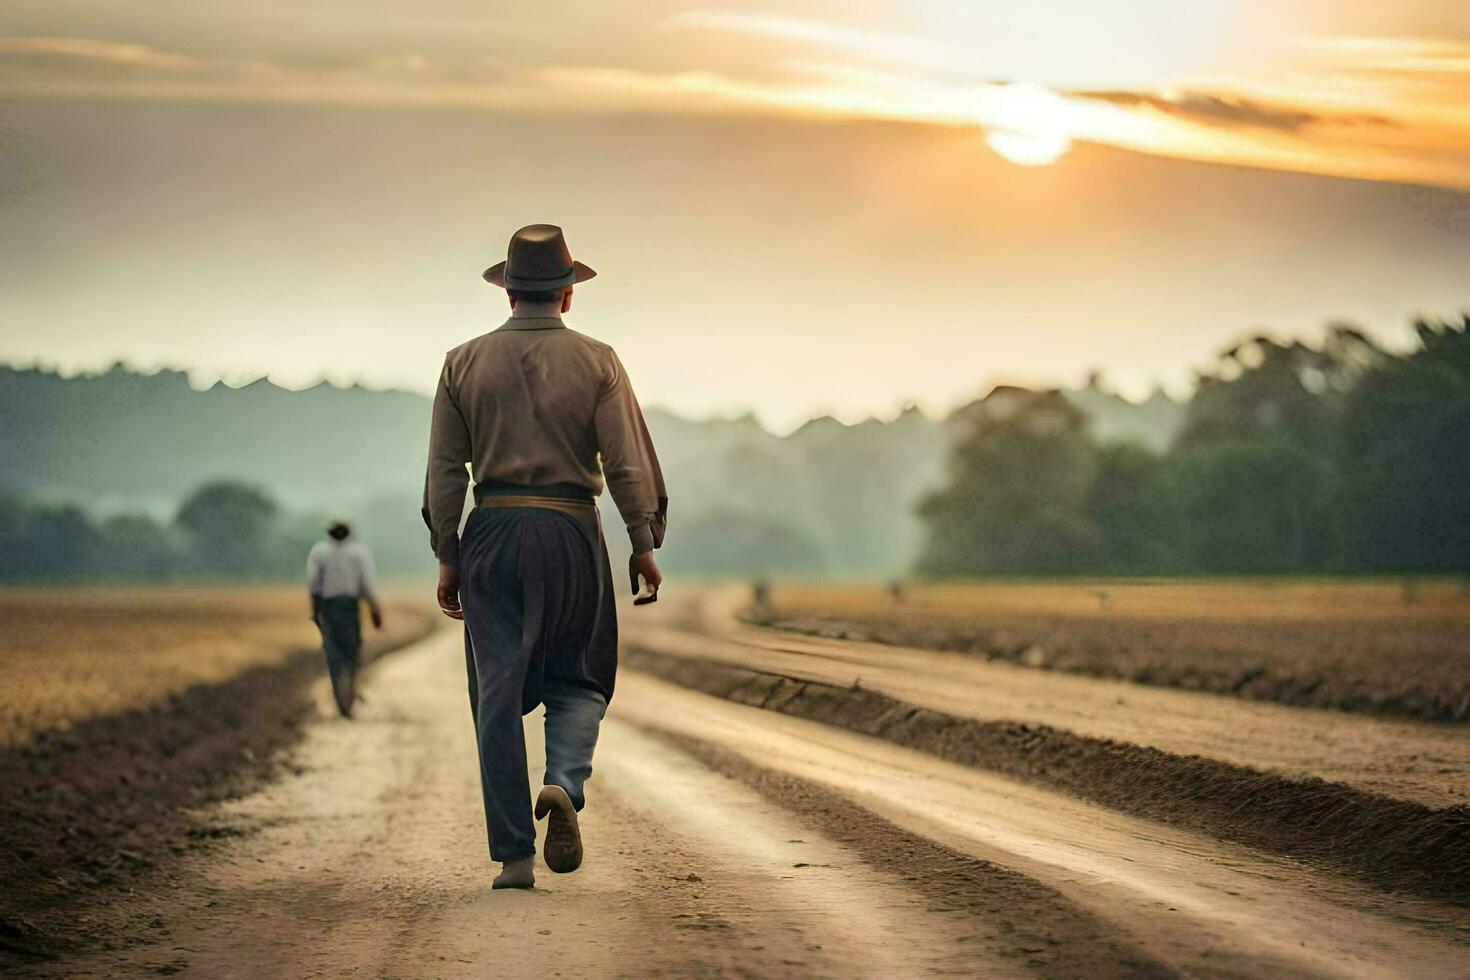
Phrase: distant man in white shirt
pixel 339 575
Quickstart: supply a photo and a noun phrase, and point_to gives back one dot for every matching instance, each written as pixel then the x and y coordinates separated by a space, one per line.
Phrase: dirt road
pixel 826 854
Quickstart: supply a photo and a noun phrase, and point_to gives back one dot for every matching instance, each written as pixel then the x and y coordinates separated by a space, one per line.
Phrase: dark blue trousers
pixel 540 627
pixel 340 620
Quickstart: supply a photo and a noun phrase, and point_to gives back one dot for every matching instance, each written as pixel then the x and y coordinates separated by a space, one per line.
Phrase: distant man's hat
pixel 538 259
pixel 338 530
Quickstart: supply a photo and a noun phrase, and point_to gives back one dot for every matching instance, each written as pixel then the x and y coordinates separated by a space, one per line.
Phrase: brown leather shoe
pixel 520 873
pixel 563 848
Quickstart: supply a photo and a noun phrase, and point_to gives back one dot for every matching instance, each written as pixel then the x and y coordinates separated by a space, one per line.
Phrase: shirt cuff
pixel 448 550
pixel 444 546
pixel 641 535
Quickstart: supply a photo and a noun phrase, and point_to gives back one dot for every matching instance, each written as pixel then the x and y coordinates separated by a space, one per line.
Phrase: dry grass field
pixel 1390 647
pixel 70 655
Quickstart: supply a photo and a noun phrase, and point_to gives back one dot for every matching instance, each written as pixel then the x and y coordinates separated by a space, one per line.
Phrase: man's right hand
pixel 449 591
pixel 644 566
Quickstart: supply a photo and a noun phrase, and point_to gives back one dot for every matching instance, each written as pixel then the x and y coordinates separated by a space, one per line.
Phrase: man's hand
pixel 376 612
pixel 449 591
pixel 646 567
pixel 316 608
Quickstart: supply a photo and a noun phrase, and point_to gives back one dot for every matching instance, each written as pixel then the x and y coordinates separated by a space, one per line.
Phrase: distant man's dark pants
pixel 540 627
pixel 340 621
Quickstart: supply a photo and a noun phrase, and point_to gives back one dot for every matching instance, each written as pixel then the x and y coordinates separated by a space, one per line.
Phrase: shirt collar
pixel 532 319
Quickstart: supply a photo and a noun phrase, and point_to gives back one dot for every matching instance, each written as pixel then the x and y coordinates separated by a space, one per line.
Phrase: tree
pixel 229 526
pixel 1258 505
pixel 137 546
pixel 60 542
pixel 1135 513
pixel 1018 482
pixel 1287 393
pixel 1407 456
pixel 1257 464
pixel 13 520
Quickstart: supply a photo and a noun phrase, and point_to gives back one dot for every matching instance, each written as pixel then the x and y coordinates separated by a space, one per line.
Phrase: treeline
pixel 221 530
pixel 1292 459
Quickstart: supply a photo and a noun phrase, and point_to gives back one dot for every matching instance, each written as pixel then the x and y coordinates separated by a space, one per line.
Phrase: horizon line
pixel 737 416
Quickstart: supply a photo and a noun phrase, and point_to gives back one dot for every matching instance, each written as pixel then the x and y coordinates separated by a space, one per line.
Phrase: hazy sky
pixel 795 207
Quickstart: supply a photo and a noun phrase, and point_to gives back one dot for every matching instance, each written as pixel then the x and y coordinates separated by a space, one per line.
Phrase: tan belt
pixel 576 508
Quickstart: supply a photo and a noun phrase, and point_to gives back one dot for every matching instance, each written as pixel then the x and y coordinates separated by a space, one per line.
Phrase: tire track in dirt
pixel 1396 843
pixel 1202 906
pixel 1016 917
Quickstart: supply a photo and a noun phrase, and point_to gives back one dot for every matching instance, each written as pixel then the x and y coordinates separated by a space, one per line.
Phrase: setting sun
pixel 1028 125
pixel 1028 149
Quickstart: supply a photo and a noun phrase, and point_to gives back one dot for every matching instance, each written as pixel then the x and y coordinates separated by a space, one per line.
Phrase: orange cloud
pixel 1370 108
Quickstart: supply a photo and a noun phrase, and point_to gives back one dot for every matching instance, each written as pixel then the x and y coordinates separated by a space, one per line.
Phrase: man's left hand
pixel 376 612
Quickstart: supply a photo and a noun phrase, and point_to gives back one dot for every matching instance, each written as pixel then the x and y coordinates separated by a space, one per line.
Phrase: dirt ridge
pixel 1054 937
pixel 1397 844
pixel 1234 659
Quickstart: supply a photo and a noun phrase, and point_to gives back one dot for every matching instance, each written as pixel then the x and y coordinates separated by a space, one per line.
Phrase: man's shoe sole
pixel 562 851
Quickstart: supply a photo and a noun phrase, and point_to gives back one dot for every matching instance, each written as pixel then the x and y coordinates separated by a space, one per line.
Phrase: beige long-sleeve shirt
pixel 534 402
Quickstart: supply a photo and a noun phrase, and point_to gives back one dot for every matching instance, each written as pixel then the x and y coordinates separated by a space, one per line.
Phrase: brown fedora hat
pixel 538 259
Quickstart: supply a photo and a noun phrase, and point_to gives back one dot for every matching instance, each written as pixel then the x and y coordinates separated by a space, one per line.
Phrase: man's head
pixel 338 531
pixel 559 299
pixel 539 267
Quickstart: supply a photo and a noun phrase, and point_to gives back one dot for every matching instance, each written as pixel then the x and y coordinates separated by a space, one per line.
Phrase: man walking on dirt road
pixel 542 414
pixel 339 575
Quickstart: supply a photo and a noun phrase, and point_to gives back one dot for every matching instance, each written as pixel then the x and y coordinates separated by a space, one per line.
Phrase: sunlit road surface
pixel 370 861
pixel 1425 762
